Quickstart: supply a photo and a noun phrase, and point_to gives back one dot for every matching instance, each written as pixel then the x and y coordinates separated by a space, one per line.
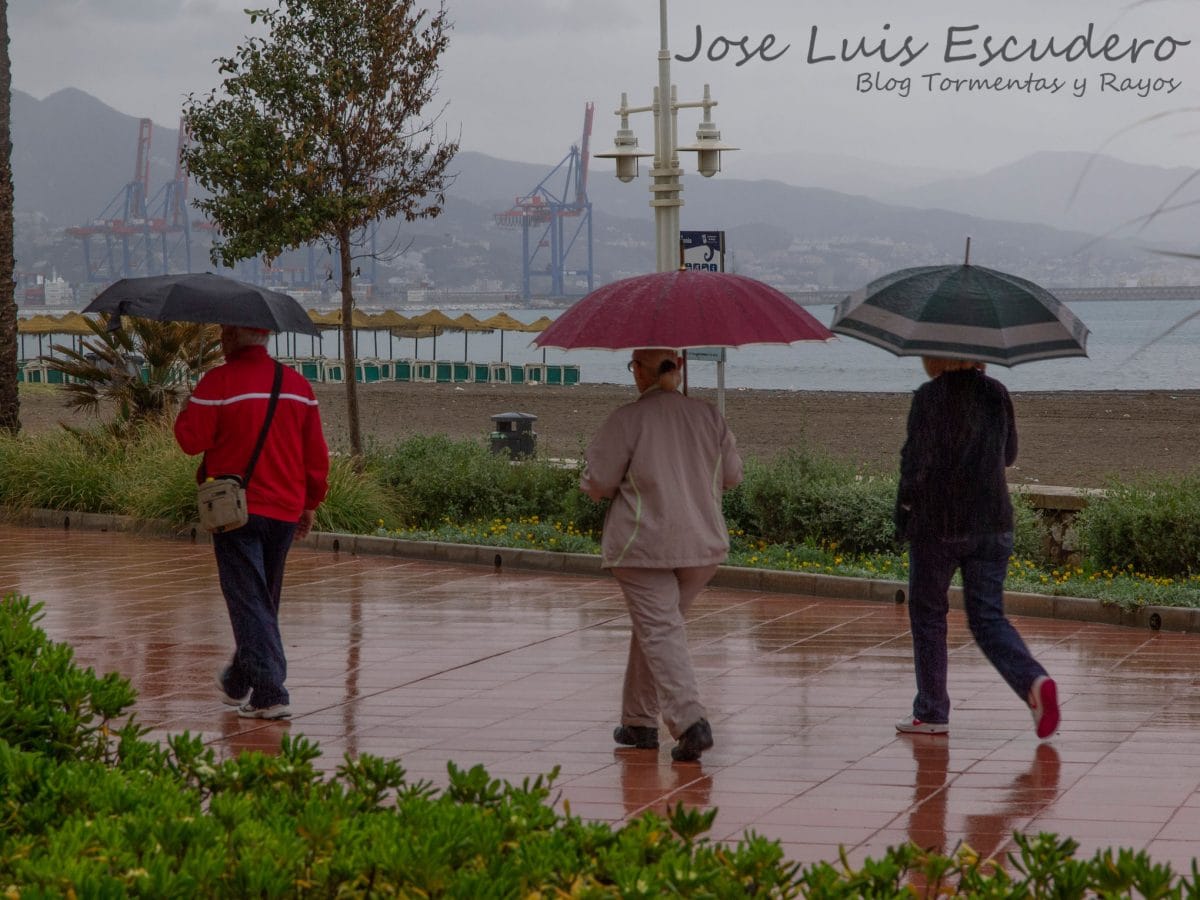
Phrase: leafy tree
pixel 10 409
pixel 318 131
pixel 143 369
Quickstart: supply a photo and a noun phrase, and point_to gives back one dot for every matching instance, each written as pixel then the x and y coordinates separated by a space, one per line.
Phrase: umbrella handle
pixel 967 256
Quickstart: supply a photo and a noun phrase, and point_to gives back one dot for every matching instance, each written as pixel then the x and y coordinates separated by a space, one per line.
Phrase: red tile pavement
pixel 521 671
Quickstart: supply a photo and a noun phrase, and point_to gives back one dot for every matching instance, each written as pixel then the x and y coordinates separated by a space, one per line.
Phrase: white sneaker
pixel 278 711
pixel 916 726
pixel 229 699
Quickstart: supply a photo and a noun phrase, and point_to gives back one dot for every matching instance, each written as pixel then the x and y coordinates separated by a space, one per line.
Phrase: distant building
pixel 58 292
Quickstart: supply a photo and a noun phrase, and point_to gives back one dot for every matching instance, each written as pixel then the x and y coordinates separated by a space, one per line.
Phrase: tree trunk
pixel 348 350
pixel 10 404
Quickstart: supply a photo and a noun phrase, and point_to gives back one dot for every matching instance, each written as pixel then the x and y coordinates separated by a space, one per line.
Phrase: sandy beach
pixel 1075 438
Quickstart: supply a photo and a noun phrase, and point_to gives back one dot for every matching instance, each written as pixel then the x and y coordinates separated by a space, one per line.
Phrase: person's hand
pixel 304 526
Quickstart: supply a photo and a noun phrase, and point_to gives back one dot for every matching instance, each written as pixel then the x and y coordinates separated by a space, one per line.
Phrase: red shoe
pixel 1043 703
pixel 916 726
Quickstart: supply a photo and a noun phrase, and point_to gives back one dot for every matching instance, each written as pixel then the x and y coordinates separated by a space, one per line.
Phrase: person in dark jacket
pixel 953 508
pixel 222 420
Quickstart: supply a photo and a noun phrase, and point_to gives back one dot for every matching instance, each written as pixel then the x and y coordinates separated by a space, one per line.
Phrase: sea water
pixel 1116 359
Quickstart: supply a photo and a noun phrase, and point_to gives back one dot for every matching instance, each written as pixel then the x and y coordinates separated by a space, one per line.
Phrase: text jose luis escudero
pixel 968 45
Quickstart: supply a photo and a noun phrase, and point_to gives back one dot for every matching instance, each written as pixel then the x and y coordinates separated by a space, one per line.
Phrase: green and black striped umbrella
pixel 964 312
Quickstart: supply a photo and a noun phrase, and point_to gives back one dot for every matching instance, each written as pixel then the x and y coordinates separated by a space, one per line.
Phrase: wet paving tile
pixel 521 672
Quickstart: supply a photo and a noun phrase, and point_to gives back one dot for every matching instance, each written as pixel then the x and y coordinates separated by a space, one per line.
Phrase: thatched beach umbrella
pixel 74 323
pixel 416 332
pixel 504 322
pixel 469 323
pixel 435 318
pixel 389 320
pixel 359 321
pixel 323 321
pixel 539 325
pixel 41 325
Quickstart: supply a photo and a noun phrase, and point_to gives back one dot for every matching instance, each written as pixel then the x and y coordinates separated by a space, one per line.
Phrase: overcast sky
pixel 518 72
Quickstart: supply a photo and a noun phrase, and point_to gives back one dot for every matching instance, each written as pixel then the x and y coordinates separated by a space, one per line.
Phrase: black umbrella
pixel 203 298
pixel 965 312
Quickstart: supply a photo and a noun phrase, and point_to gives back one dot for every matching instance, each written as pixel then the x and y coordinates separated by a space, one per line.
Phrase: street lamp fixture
pixel 665 190
pixel 625 151
pixel 708 146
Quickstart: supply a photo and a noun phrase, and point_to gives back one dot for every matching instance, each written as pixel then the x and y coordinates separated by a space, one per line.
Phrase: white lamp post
pixel 665 189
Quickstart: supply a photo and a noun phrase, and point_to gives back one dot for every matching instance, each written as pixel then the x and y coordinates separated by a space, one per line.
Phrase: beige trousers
pixel 659 677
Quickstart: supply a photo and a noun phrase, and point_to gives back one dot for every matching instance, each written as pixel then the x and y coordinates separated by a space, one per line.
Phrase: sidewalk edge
pixel 835 587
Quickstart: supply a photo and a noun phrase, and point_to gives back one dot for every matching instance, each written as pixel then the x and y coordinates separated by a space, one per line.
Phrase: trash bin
pixel 513 433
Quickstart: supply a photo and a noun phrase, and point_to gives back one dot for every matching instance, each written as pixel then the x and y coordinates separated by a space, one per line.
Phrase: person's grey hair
pixel 252 337
pixel 661 361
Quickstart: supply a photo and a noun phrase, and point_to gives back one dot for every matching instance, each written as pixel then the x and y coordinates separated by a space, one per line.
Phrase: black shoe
pixel 693 742
pixel 641 736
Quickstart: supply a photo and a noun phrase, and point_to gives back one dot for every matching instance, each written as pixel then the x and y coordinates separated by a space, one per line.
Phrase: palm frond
pixel 143 369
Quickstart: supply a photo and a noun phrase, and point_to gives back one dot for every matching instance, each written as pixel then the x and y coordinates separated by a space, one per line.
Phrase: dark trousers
pixel 250 564
pixel 983 559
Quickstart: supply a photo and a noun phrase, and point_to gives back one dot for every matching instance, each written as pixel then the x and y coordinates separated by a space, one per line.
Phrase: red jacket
pixel 224 417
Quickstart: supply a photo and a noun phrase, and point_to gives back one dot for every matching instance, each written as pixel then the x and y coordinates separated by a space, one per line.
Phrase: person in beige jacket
pixel 664 461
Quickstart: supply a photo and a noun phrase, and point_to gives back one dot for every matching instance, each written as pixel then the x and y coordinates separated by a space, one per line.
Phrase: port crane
pixel 122 222
pixel 543 215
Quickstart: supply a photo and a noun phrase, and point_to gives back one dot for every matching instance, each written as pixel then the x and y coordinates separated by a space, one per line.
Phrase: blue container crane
pixel 542 216
pixel 124 220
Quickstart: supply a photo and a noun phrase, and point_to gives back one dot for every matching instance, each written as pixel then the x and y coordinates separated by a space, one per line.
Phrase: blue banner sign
pixel 703 250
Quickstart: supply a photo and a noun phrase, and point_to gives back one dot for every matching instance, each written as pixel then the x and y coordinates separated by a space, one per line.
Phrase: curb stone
pixel 836 587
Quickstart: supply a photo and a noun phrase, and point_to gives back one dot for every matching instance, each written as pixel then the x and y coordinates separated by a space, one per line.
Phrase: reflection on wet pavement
pixel 521 671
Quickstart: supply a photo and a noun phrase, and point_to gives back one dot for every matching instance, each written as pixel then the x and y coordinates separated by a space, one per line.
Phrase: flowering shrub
pixel 1151 526
pixel 525 531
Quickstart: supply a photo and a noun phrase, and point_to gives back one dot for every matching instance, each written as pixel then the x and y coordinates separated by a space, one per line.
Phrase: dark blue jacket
pixel 962 435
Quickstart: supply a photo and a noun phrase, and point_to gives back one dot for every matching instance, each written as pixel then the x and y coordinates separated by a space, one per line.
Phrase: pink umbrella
pixel 682 309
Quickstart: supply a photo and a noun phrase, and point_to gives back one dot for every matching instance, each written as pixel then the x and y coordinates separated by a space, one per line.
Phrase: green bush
pixel 1151 527
pixel 436 479
pixel 154 480
pixel 801 497
pixel 48 704
pixel 144 474
pixel 805 498
pixel 59 470
pixel 357 502
pixel 1029 532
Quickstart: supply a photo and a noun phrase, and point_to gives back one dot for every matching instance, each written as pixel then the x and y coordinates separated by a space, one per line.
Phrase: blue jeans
pixel 250 564
pixel 984 562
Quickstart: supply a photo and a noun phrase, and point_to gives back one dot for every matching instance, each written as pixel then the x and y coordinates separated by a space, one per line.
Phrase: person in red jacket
pixel 222 420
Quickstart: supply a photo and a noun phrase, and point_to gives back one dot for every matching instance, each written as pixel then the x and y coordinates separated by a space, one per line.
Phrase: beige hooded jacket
pixel 664 460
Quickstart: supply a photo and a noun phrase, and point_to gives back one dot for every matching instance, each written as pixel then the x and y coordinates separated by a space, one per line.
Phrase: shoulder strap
pixel 276 386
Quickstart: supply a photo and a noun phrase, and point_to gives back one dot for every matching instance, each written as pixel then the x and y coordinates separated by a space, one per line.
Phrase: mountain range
pixel 1054 217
